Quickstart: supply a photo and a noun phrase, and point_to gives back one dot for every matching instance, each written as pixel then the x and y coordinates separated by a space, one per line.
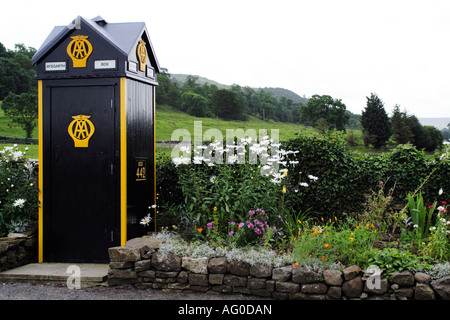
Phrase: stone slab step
pixel 89 272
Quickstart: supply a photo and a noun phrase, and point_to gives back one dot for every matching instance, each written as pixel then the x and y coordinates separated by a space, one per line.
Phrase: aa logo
pixel 142 55
pixel 79 49
pixel 81 130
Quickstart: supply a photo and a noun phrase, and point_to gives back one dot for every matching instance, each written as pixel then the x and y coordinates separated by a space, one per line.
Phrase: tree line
pixel 402 127
pixel 18 97
pixel 235 103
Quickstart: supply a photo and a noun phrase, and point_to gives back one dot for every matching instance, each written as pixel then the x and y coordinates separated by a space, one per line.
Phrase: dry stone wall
pixel 141 264
pixel 17 250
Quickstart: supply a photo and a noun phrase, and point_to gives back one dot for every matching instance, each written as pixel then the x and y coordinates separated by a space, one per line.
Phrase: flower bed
pixel 149 263
pixel 313 205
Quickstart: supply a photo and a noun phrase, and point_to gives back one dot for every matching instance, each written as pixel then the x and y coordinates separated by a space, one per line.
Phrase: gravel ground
pixel 49 291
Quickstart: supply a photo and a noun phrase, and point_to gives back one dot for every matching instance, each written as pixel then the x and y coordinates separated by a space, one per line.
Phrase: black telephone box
pixel 96 84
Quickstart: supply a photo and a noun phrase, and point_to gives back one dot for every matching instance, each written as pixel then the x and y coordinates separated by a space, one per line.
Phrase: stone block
pixel 423 291
pixel 216 278
pixel 442 287
pixel 303 276
pixel 333 277
pixel 287 287
pixel 124 254
pixel 234 281
pixel 239 268
pixel 256 283
pixel 282 274
pixel 314 288
pixel 217 265
pixel 198 279
pixel 352 288
pixel 195 265
pixel 261 271
pixel 403 279
pixel 351 272
pixel 166 261
pixel 142 265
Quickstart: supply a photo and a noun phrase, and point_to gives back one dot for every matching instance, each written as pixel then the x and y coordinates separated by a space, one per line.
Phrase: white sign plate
pixel 55 66
pixel 105 64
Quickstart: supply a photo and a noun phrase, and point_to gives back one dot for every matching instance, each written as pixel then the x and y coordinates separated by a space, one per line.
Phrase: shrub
pixel 18 192
pixel 334 241
pixel 392 260
pixel 327 158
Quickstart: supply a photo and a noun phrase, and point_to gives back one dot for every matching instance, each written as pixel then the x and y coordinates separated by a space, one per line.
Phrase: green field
pixel 169 119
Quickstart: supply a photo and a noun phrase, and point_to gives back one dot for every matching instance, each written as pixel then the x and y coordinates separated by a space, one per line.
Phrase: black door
pixel 82 195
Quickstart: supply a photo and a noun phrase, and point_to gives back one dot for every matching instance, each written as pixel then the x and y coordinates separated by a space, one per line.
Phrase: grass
pixel 168 119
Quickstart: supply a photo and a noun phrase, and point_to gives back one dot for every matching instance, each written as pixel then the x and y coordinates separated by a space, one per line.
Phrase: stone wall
pixel 17 250
pixel 141 264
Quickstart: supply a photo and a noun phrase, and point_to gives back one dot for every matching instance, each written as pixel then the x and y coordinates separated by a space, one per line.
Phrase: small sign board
pixel 105 64
pixel 141 170
pixel 55 66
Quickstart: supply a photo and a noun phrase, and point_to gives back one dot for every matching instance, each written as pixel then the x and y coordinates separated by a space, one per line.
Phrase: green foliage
pixel 16 72
pixel 401 132
pixel 420 214
pixel 333 241
pixel 375 122
pixel 328 159
pixel 23 110
pixel 332 111
pixel 195 105
pixel 18 192
pixel 392 260
pixel 438 243
pixel 227 105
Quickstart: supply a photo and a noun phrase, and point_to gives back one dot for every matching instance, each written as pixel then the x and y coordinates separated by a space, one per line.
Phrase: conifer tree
pixel 401 132
pixel 375 121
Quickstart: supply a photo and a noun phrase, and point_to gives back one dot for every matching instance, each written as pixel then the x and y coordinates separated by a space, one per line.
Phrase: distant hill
pixel 439 123
pixel 276 92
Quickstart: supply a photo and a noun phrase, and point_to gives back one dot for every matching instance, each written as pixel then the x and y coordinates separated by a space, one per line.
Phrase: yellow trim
pixel 41 175
pixel 154 150
pixel 123 162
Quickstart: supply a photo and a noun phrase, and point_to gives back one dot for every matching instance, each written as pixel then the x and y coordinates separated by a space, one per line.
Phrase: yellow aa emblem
pixel 81 130
pixel 79 49
pixel 142 55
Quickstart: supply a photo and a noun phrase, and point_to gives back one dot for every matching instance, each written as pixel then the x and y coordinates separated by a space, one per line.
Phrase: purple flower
pixel 258 231
pixel 231 233
pixel 209 225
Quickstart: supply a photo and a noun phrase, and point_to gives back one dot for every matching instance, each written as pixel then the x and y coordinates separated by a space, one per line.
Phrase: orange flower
pixel 200 230
pixel 295 265
pixel 295 239
pixel 323 258
pixel 326 245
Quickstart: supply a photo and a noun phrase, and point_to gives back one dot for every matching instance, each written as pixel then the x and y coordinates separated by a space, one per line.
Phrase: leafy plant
pixel 420 214
pixel 18 191
pixel 392 260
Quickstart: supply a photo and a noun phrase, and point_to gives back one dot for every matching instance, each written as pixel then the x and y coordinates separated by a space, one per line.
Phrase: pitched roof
pixel 123 36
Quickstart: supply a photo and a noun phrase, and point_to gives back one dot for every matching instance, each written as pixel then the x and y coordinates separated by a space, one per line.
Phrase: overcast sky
pixel 347 49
